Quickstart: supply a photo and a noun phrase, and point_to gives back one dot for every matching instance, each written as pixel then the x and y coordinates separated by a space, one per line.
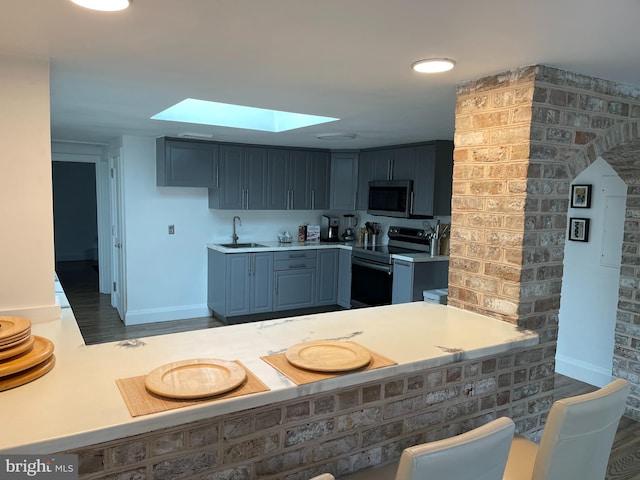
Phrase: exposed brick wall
pixel 339 432
pixel 521 137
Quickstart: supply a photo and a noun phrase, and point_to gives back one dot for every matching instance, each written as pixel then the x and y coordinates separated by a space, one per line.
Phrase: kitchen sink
pixel 241 245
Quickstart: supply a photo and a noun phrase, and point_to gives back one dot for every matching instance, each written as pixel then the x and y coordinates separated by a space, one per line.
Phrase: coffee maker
pixel 329 226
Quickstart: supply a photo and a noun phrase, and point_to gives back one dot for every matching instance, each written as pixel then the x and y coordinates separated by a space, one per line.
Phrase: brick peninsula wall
pixel 341 432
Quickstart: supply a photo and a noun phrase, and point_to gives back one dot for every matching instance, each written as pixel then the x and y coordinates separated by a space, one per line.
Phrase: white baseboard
pixel 44 313
pixel 583 371
pixel 152 315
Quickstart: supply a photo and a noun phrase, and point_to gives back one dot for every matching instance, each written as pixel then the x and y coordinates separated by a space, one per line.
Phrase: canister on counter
pixel 302 233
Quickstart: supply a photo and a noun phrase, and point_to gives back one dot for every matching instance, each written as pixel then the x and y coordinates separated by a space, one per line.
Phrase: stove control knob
pixel 393 231
pixel 421 234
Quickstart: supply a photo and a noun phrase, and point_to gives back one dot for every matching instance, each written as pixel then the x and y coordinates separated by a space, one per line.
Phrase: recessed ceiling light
pixel 103 5
pixel 191 110
pixel 433 65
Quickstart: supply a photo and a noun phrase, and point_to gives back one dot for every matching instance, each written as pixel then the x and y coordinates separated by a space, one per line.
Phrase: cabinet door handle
pixel 300 265
pixel 313 199
pixel 411 203
pixel 218 176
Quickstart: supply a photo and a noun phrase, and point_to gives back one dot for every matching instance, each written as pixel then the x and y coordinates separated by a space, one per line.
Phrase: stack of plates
pixel 23 357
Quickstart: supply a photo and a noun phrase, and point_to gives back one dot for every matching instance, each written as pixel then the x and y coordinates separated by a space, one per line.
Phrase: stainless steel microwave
pixel 392 198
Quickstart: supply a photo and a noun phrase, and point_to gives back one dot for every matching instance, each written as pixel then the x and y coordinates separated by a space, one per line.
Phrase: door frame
pixel 117 234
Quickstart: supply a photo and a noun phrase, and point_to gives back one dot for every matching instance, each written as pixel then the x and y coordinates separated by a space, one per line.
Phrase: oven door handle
pixel 382 268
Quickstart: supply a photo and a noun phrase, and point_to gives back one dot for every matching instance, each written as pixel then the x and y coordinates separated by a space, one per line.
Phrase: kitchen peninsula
pixel 446 358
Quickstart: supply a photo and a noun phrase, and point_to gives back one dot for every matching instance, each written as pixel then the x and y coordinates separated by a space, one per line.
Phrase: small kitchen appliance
pixel 350 222
pixel 329 226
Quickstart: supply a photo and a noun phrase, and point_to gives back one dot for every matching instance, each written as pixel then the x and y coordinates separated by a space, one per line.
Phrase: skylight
pixel 204 112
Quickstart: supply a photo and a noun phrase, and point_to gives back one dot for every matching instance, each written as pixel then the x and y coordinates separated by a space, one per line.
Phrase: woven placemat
pixel 300 376
pixel 140 401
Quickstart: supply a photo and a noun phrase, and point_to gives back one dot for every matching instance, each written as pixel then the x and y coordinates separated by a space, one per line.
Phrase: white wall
pixel 590 281
pixel 26 207
pixel 166 275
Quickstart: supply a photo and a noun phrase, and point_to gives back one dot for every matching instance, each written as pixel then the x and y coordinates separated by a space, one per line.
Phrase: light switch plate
pixel 172 229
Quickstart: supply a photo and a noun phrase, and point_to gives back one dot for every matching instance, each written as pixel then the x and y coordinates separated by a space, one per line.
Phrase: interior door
pixel 117 251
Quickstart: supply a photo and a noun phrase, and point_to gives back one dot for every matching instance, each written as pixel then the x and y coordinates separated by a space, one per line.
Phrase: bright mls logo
pixel 50 467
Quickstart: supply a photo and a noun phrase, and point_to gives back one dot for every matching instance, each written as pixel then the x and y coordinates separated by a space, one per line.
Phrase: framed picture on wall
pixel 580 196
pixel 579 229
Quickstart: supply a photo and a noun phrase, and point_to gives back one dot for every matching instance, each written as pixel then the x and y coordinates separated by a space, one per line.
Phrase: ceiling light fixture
pixel 336 136
pixel 103 5
pixel 433 65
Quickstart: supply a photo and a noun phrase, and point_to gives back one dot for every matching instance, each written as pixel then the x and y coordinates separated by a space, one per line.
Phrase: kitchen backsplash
pixel 265 225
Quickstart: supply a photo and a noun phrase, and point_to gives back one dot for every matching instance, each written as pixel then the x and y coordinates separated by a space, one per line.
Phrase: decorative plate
pixel 20 347
pixel 42 349
pixel 13 327
pixel 328 356
pixel 28 375
pixel 197 378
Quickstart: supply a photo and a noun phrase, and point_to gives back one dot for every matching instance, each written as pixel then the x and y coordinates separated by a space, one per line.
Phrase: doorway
pixel 591 278
pixel 75 223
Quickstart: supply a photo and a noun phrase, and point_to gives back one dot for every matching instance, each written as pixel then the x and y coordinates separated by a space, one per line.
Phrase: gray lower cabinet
pixel 294 279
pixel 327 277
pixel 240 283
pixel 344 279
pixel 410 279
pixel 183 163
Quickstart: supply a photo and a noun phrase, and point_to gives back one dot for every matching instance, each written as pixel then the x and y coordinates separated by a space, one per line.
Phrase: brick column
pixel 491 167
pixel 521 137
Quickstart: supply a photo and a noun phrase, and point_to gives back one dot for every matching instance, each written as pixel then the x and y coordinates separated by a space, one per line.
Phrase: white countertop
pixel 417 257
pixel 79 404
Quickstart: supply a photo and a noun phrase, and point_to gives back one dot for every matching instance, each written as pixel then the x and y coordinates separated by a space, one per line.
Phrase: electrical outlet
pixel 172 229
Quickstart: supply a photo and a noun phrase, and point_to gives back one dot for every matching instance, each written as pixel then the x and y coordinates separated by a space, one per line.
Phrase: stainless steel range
pixel 372 265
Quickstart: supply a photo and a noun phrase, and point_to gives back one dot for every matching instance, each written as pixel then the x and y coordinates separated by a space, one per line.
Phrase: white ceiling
pixel 341 58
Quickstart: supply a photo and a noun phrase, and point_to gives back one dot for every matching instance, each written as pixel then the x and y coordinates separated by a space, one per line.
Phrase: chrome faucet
pixel 235 235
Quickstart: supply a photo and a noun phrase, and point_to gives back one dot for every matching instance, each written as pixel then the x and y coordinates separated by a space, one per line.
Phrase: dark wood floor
pixel 100 323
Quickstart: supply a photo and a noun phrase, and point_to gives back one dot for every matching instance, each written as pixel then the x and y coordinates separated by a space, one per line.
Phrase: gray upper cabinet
pixel 186 163
pixel 288 179
pixel 433 167
pixel 320 181
pixel 365 175
pixel 242 178
pixel 344 180
pixel 429 165
pixel 382 164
